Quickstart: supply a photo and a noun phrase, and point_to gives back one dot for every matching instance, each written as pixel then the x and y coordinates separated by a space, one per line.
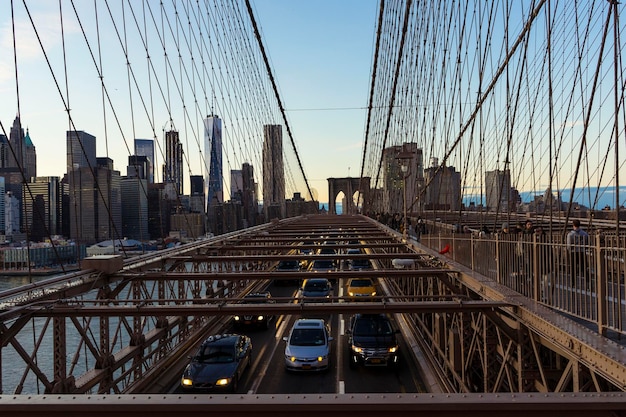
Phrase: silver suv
pixel 308 346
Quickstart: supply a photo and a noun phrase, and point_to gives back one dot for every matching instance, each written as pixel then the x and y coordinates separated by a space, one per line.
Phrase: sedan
pixel 218 364
pixel 361 288
pixel 255 320
pixel 316 288
pixel 308 346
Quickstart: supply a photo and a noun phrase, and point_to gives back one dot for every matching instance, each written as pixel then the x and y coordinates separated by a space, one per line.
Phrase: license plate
pixel 375 361
pixel 306 366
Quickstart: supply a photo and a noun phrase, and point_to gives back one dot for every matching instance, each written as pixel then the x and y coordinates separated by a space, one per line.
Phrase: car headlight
pixel 222 382
pixel 373 293
pixel 357 349
pixel 393 349
pixel 350 293
pixel 292 358
pixel 186 382
pixel 260 318
pixel 320 358
pixel 236 318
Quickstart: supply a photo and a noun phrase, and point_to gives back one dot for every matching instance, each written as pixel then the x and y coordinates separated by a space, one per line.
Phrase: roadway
pixel 267 375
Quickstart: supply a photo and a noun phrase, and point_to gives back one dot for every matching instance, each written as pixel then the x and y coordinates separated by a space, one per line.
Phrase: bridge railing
pixel 586 282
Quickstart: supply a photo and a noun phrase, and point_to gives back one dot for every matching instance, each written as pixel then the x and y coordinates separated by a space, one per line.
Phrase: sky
pixel 320 51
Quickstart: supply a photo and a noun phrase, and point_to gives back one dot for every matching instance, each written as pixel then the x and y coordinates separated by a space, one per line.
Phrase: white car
pixel 308 346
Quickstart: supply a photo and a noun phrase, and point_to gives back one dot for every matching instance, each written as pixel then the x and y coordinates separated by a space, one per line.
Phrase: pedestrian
pixel 505 254
pixel 577 242
pixel 545 264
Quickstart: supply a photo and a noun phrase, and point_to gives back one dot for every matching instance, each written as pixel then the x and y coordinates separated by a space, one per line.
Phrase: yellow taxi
pixel 361 289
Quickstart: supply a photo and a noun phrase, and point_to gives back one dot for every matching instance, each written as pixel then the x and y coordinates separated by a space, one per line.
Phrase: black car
pixel 372 341
pixel 288 265
pixel 257 320
pixel 218 364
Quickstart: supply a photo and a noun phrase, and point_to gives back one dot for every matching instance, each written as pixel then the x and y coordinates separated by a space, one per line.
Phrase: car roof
pixel 376 316
pixel 317 280
pixel 221 339
pixel 309 323
pixel 360 279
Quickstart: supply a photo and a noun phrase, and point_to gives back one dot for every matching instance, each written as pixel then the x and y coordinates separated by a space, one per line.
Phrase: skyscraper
pixel 213 148
pixel 5 151
pixel 42 207
pixel 196 198
pixel 135 208
pixel 173 169
pixel 145 147
pixel 249 196
pixel 273 172
pixel 443 191
pixel 21 154
pixel 498 190
pixel 80 150
pixel 236 184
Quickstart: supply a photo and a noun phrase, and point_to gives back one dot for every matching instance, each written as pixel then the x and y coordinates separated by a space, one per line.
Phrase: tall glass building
pixel 273 173
pixel 213 148
pixel 145 147
pixel 80 150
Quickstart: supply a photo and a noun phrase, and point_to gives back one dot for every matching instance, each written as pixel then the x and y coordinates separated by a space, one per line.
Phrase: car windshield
pixel 361 262
pixel 361 283
pixel 216 354
pixel 372 328
pixel 316 286
pixel 322 263
pixel 307 337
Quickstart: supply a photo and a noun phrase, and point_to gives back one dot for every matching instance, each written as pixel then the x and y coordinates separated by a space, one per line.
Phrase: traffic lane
pixel 264 342
pixel 277 379
pixel 402 378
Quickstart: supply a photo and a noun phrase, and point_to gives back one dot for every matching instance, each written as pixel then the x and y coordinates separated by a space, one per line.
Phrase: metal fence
pixel 584 281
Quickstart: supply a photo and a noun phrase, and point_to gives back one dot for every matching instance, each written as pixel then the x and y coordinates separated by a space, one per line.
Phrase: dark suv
pixel 255 319
pixel 372 341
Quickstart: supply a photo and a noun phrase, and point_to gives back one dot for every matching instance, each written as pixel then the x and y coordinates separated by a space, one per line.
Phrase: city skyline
pixel 340 98
pixel 323 73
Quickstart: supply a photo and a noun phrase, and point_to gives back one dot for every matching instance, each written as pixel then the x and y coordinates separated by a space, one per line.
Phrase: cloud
pixel 46 25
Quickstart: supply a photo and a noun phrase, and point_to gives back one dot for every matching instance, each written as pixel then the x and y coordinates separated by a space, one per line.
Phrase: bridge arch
pixel 348 186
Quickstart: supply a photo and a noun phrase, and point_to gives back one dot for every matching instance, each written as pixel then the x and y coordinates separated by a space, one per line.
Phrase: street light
pixel 405 158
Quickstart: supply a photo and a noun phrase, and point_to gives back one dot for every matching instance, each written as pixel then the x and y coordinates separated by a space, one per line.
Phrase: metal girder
pixel 546 345
pixel 256 275
pixel 211 308
pixel 341 405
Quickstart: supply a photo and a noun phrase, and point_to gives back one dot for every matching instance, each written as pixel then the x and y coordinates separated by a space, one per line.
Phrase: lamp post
pixel 405 168
pixel 405 158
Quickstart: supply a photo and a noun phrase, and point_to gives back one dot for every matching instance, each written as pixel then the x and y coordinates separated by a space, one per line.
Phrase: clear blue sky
pixel 320 51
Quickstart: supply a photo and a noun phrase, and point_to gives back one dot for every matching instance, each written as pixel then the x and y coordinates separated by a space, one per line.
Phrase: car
pixel 372 341
pixel 316 289
pixel 256 320
pixel 323 265
pixel 361 288
pixel 288 265
pixel 218 364
pixel 358 264
pixel 308 346
pixel 307 250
